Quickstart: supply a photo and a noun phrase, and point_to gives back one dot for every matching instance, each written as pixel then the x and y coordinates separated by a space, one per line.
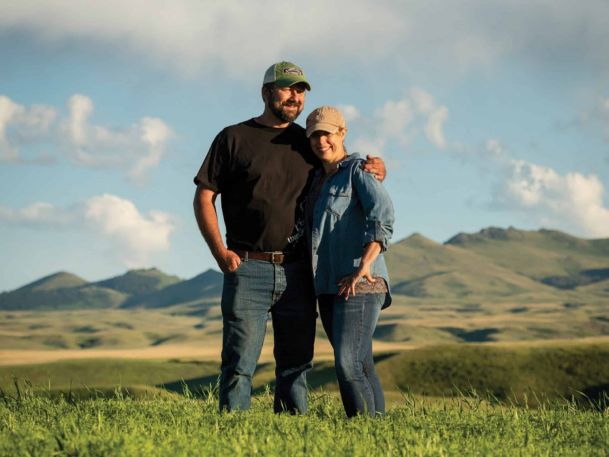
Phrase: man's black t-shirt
pixel 262 174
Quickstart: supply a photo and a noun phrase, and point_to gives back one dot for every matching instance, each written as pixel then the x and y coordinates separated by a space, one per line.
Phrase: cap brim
pixel 322 126
pixel 289 82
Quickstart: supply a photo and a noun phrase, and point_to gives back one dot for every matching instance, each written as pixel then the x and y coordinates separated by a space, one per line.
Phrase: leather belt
pixel 276 257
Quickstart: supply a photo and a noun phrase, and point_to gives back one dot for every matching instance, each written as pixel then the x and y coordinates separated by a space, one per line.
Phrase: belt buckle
pixel 278 254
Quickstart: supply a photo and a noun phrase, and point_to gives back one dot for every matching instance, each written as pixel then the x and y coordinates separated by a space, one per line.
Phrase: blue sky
pixel 487 113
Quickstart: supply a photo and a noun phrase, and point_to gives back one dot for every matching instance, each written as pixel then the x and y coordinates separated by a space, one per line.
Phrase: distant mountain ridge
pixel 143 288
pixel 136 282
pixel 490 264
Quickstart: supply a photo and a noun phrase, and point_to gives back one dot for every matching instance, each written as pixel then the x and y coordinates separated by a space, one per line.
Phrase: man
pixel 262 168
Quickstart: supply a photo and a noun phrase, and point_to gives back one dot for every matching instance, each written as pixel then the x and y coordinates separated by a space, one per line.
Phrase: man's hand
pixel 376 166
pixel 228 261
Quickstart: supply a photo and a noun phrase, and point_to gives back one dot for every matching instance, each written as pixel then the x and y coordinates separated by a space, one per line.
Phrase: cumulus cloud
pixel 39 214
pixel 154 133
pixel 201 35
pixel 136 148
pixel 21 125
pixel 80 108
pixel 398 122
pixel 135 235
pixel 434 128
pixel 350 112
pixel 572 201
pixel 131 236
pixel 196 35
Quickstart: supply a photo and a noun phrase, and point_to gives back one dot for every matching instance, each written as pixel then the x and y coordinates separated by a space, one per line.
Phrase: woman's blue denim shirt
pixel 352 210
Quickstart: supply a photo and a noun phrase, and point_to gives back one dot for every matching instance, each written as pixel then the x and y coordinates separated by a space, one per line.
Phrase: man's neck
pixel 270 120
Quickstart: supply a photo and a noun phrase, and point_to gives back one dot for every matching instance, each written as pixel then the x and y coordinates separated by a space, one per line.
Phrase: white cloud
pixel 397 122
pixel 136 236
pixel 8 110
pixel 494 149
pixel 207 35
pixel 394 117
pixel 434 128
pixel 39 214
pixel 154 133
pixel 350 112
pixel 132 237
pixel 423 101
pixel 203 35
pixel 572 201
pixel 80 108
pixel 363 145
pixel 20 126
pixel 436 116
pixel 136 148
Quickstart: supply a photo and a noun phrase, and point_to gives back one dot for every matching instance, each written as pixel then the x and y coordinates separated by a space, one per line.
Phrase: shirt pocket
pixel 339 200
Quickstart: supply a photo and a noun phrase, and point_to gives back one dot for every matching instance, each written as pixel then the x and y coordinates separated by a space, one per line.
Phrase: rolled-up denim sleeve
pixel 378 208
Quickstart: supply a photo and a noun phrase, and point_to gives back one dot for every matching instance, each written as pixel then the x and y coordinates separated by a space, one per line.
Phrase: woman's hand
pixel 346 286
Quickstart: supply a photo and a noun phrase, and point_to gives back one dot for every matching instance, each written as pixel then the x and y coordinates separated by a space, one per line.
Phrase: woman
pixel 350 220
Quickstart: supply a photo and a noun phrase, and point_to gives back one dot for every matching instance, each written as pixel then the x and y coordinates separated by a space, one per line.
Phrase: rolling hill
pixel 543 255
pixel 139 282
pixel 144 288
pixel 491 265
pixel 60 291
pixel 422 268
pixel 200 288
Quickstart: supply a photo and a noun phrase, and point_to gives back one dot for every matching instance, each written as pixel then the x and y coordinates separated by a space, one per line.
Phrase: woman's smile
pixel 328 146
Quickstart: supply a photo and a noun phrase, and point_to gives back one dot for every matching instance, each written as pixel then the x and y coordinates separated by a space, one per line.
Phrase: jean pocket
pixel 233 276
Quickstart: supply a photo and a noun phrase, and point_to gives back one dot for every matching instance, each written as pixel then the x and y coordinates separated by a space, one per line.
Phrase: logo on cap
pixel 293 71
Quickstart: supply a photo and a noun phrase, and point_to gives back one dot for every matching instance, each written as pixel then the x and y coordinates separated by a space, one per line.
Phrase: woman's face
pixel 328 146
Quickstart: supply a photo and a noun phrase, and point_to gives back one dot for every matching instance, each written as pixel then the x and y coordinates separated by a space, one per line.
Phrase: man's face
pixel 286 103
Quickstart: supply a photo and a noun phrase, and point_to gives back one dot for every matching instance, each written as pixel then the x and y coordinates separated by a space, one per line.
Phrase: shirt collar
pixel 348 159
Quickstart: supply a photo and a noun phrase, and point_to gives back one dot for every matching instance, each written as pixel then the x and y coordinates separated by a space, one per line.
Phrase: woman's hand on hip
pixel 346 286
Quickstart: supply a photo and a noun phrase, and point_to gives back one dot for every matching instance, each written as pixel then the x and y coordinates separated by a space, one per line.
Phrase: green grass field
pixel 34 425
pixel 504 398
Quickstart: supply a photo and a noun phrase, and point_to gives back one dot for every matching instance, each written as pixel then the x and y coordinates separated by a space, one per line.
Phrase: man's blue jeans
pixel 349 325
pixel 256 289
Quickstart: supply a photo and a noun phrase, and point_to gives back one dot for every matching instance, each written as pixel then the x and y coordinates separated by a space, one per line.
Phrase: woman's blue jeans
pixel 349 325
pixel 250 294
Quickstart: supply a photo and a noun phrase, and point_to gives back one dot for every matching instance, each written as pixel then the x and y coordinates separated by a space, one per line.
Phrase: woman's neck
pixel 331 166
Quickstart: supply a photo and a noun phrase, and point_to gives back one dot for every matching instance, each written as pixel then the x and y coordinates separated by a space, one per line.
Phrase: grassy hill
pixel 192 291
pixel 60 291
pixel 147 288
pixel 492 265
pixel 422 268
pixel 543 255
pixel 492 286
pixel 140 282
pixel 506 372
pixel 59 280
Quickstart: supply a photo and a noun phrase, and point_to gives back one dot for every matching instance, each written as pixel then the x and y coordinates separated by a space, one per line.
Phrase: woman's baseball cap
pixel 326 118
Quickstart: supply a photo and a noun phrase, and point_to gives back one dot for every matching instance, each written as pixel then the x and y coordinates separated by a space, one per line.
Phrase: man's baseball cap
pixel 325 118
pixel 285 74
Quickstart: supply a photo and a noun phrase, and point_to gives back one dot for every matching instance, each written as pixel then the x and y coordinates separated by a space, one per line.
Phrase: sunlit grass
pixel 33 424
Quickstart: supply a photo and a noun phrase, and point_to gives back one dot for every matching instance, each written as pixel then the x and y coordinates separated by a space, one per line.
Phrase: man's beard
pixel 285 116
